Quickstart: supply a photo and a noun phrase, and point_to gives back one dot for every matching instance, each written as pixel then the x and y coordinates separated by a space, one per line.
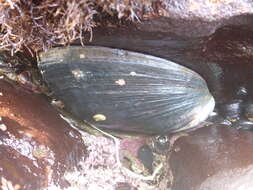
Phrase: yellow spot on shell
pixel 120 82
pixel 99 117
pixel 40 152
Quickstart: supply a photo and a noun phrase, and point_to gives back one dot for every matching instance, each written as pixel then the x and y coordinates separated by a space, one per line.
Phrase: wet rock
pixel 244 124
pixel 248 110
pixel 232 110
pixel 146 156
pixel 215 157
pixel 195 18
pixel 36 145
pixel 230 48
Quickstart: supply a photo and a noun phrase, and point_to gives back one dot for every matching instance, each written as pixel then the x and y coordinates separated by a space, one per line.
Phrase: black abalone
pixel 128 91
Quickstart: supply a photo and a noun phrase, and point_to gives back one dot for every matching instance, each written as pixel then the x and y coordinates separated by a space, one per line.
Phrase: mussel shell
pixel 124 90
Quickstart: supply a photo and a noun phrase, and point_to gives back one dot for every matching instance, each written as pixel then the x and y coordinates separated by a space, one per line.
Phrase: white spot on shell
pixel 120 52
pixel 82 56
pixel 1 94
pixel 99 117
pixel 78 74
pixel 120 82
pixel 133 73
pixel 3 127
pixel 57 103
pixel 213 113
pixel 1 76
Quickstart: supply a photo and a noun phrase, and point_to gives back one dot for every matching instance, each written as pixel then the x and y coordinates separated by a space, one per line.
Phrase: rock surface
pixel 36 145
pixel 195 18
pixel 215 157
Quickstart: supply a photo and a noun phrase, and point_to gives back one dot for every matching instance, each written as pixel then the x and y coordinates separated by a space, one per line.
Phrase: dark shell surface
pixel 127 91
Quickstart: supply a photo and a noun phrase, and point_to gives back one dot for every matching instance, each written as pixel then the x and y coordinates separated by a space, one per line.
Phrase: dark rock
pixel 248 110
pixel 244 124
pixel 146 156
pixel 195 18
pixel 215 157
pixel 36 145
pixel 231 110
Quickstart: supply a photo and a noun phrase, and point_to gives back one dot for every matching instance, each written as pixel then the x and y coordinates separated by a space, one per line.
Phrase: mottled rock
pixel 215 157
pixel 195 18
pixel 208 10
pixel 36 145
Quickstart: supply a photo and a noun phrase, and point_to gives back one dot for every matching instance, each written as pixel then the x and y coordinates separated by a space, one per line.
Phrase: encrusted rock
pixel 36 145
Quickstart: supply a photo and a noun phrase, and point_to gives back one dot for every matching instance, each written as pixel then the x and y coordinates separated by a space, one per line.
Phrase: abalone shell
pixel 127 91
